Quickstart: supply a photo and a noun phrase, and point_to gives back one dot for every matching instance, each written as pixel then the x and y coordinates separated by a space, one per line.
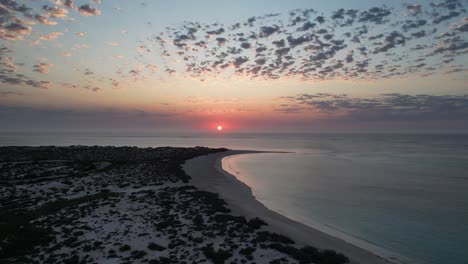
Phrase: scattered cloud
pixel 5 94
pixel 374 43
pixel 385 107
pixel 87 10
pixel 42 67
pixel 55 11
pixel 51 36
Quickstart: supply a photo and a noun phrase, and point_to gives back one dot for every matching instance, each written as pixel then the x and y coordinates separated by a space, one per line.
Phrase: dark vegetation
pixel 19 234
pixel 46 219
pixel 310 254
pixel 216 256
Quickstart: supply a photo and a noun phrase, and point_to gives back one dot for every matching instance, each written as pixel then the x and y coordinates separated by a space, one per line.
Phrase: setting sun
pixel 220 128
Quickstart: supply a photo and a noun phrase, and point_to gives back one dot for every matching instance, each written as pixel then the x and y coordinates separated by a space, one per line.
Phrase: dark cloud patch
pixel 239 61
pixel 307 26
pixel 69 3
pixel 293 42
pixel 414 9
pixel 452 49
pixel 218 31
pixel 412 24
pixel 419 34
pixel 442 18
pixel 261 49
pixel 320 19
pixel 21 80
pixel 14 30
pixel 282 51
pixel 339 14
pixel 463 27
pixel 15 6
pixel 268 31
pixel 375 37
pixel 246 45
pixel 221 41
pixel 447 4
pixel 44 20
pixel 344 17
pixel 5 94
pixel 279 43
pixel 374 15
pixel 260 61
pixel 391 41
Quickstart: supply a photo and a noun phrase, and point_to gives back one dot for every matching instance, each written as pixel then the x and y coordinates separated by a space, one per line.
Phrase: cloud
pixel 87 10
pixel 51 36
pixel 8 73
pixel 55 11
pixel 4 94
pixel 21 80
pixel 414 9
pixel 385 107
pixel 451 46
pixel 239 61
pixel 305 44
pixel 448 16
pixel 69 4
pixel 375 15
pixel 14 31
pixel 391 41
pixel 216 32
pixel 267 31
pixel 412 24
pixel 44 20
pixel 221 41
pixel 447 4
pixel 462 27
pixel 42 67
pixel 16 19
pixel 80 34
pixel 8 63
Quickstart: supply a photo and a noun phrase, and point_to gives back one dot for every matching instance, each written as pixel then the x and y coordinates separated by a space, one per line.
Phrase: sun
pixel 219 128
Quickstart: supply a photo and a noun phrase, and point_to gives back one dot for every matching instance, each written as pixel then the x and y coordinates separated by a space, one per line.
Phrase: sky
pixel 295 66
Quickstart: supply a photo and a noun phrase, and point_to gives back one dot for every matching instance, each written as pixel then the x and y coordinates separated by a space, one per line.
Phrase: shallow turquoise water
pixel 405 193
pixel 408 198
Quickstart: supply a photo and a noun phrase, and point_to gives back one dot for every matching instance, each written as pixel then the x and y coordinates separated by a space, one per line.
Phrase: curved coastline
pixel 208 174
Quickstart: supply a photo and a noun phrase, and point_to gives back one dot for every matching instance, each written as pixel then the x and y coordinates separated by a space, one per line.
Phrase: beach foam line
pixel 208 174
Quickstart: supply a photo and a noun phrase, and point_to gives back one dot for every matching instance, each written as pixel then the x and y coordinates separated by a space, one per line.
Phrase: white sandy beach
pixel 207 174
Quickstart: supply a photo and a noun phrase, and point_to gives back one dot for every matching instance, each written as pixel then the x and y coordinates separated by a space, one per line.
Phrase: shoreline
pixel 208 174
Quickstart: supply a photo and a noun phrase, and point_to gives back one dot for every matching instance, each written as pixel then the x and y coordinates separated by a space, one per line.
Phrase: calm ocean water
pixel 407 193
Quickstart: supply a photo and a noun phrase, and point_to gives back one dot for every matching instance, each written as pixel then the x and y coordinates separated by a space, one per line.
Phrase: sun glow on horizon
pixel 219 128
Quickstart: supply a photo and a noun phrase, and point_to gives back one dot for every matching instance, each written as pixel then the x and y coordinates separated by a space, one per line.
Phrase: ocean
pixel 404 193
